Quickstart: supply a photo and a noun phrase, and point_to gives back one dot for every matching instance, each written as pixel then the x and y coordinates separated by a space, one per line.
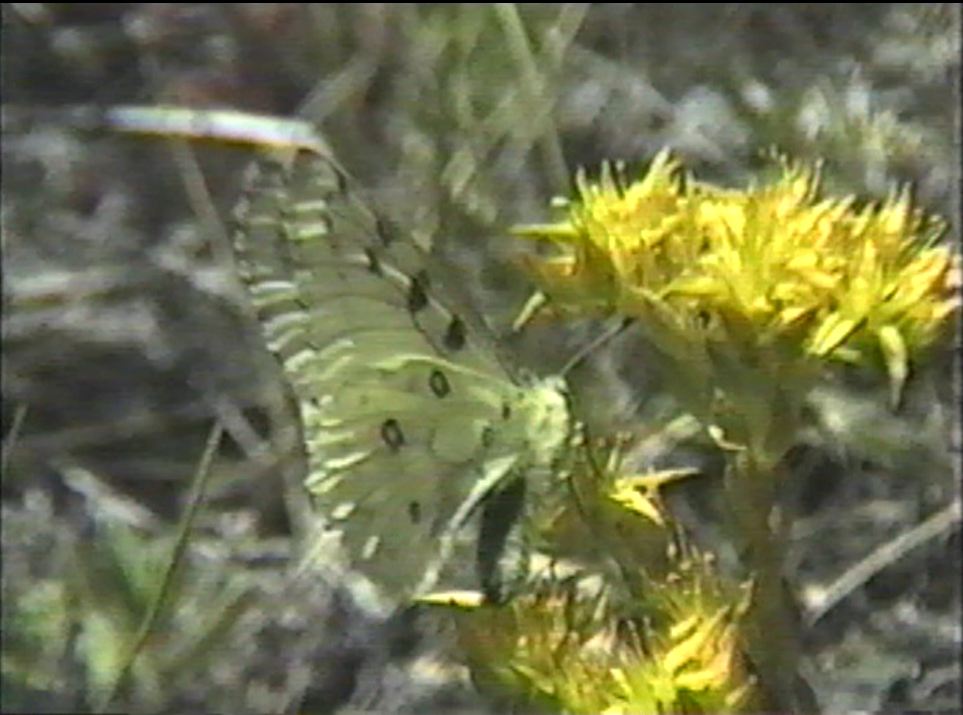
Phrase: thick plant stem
pixel 771 627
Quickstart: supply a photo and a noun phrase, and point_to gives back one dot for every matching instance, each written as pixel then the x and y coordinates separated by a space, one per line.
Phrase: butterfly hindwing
pixel 408 419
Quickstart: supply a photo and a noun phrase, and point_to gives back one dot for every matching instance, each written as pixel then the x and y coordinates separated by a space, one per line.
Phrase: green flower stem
pixel 770 625
pixel 762 422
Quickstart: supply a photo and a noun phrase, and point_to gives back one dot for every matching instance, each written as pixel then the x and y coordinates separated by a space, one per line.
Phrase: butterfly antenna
pixel 601 340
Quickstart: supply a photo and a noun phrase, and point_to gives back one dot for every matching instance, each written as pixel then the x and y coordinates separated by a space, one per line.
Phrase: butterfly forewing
pixel 407 418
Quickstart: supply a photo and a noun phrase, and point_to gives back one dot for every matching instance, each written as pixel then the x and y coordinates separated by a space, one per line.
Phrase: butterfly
pixel 412 423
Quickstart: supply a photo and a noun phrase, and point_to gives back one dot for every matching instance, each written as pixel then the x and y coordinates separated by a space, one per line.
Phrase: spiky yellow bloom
pixel 567 647
pixel 772 265
pixel 607 512
pixel 615 236
pixel 694 647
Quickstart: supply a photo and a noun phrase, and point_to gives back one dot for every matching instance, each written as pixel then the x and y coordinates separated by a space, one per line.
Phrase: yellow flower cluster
pixel 694 660
pixel 607 516
pixel 562 647
pixel 773 263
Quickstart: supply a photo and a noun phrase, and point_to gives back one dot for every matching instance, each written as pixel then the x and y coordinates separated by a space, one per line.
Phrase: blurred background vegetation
pixel 125 337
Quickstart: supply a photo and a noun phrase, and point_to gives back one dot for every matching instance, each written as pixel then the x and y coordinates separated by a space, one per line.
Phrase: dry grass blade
pixel 198 489
pixel 885 555
pixel 12 435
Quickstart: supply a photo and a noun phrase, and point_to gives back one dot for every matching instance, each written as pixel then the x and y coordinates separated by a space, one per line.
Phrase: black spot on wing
pixel 418 292
pixel 487 436
pixel 455 334
pixel 374 265
pixel 392 435
pixel 385 234
pixel 439 383
pixel 340 180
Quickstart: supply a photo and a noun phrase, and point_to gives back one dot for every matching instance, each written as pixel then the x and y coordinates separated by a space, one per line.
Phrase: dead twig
pixel 883 556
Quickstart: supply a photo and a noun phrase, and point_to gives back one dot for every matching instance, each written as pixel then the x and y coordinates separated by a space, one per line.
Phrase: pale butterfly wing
pixel 409 420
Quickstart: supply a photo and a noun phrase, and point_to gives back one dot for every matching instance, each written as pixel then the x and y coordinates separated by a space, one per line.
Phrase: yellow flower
pixel 774 264
pixel 567 646
pixel 613 237
pixel 548 647
pixel 607 513
pixel 693 646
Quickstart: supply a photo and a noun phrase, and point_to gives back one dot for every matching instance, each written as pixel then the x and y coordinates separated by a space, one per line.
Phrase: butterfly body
pixel 410 420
